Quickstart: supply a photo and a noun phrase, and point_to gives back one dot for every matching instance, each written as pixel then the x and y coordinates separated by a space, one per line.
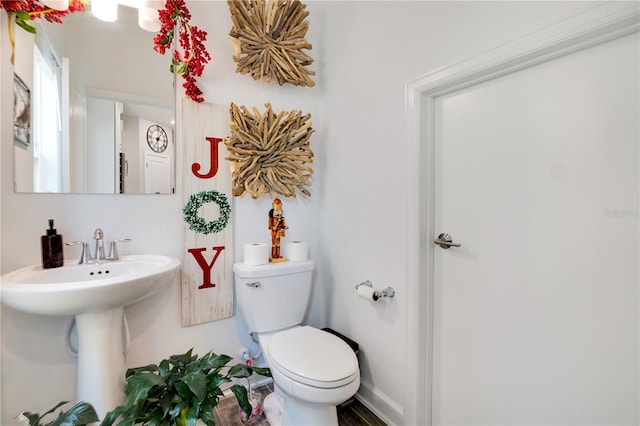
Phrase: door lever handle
pixel 445 241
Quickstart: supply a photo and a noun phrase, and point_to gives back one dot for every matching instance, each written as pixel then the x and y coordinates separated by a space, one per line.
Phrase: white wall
pixel 355 220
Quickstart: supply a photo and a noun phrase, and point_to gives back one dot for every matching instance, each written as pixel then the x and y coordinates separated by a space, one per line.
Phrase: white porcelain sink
pixel 96 295
pixel 76 289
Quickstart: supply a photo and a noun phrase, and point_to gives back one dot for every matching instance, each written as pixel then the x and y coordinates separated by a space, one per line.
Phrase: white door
pixel 536 314
pixel 157 174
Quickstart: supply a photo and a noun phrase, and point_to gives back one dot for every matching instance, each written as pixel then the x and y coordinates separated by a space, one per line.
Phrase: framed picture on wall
pixel 21 111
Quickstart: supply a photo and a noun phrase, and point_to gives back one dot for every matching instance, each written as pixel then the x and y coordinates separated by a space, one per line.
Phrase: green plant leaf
pixel 193 414
pixel 165 404
pixel 112 415
pixel 79 415
pixel 151 368
pixel 155 417
pixel 174 413
pixel 215 380
pixel 139 384
pixel 183 390
pixel 34 418
pixel 204 359
pixel 190 416
pixel 263 371
pixel 192 367
pixel 58 405
pixel 26 24
pixel 133 412
pixel 206 409
pixel 22 15
pixel 243 399
pixel 220 361
pixel 182 359
pixel 164 369
pixel 197 383
pixel 240 371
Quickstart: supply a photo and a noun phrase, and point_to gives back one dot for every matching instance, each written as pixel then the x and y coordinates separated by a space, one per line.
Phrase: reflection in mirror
pixel 102 108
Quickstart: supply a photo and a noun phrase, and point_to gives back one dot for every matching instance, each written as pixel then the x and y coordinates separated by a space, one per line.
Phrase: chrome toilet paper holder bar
pixel 387 292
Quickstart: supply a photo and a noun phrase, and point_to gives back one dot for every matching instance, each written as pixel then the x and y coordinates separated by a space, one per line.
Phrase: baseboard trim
pixel 380 404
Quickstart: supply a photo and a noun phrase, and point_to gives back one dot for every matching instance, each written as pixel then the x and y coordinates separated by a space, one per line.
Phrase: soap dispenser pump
pixel 52 255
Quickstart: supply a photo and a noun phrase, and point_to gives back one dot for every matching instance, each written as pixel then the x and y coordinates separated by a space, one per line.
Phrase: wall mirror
pixel 102 108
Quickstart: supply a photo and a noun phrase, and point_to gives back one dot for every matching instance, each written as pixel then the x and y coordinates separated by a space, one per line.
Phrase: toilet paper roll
pixel 256 254
pixel 367 293
pixel 297 250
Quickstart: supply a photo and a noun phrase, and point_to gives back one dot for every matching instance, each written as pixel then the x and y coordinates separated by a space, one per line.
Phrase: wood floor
pixel 352 413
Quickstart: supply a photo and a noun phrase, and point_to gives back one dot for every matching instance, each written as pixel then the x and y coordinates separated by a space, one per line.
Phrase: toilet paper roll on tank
pixel 296 250
pixel 256 254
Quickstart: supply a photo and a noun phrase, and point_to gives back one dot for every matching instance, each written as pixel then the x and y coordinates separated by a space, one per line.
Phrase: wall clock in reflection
pixel 157 138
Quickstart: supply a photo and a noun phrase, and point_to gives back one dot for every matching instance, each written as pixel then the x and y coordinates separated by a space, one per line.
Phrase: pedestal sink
pixel 96 295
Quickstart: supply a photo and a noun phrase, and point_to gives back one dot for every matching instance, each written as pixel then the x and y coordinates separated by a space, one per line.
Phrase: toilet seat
pixel 313 357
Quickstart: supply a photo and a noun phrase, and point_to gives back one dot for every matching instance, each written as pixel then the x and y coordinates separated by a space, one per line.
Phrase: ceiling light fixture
pixel 105 10
pixel 148 18
pixel 57 4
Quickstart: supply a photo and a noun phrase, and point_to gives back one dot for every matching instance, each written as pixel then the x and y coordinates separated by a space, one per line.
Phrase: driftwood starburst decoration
pixel 269 153
pixel 270 39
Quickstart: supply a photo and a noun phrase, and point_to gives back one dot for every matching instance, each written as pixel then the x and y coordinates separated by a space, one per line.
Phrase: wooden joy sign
pixel 207 268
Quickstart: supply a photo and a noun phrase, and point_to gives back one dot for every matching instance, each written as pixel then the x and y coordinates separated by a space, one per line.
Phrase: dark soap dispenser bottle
pixel 52 256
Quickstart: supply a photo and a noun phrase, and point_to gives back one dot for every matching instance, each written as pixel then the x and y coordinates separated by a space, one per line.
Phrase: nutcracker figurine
pixel 277 227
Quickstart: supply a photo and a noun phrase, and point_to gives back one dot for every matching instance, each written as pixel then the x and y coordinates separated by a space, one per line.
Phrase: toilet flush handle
pixel 255 284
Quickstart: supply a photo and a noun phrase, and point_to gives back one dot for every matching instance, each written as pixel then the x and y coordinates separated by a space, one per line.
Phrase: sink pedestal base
pixel 101 367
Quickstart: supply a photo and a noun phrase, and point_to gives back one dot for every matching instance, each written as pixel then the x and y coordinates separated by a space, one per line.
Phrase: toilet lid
pixel 313 355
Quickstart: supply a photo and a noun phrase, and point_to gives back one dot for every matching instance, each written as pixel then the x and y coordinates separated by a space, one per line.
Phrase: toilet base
pixel 292 412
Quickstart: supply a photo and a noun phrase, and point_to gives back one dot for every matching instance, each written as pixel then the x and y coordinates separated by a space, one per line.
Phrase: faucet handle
pixel 98 234
pixel 85 256
pixel 113 249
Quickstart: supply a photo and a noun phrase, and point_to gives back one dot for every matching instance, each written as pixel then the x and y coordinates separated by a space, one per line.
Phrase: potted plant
pixel 80 414
pixel 180 390
pixel 255 399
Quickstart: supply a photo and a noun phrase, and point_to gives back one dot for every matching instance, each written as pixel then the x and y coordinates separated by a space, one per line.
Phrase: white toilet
pixel 313 371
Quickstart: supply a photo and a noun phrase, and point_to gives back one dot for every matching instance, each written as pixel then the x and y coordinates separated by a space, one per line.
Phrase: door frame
pixel 596 25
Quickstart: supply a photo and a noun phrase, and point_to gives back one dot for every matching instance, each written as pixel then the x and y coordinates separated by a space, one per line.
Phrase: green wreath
pixel 198 224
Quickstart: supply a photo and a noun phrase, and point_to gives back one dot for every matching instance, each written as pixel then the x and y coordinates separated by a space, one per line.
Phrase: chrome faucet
pixel 99 251
pixel 99 255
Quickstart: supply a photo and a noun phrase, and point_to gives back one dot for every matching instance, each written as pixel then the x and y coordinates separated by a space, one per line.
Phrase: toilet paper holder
pixel 377 295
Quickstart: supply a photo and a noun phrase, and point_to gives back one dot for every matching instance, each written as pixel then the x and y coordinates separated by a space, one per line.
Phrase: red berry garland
pixel 25 11
pixel 188 61
pixel 28 10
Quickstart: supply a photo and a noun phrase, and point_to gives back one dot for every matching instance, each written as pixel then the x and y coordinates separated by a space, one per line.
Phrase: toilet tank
pixel 273 296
